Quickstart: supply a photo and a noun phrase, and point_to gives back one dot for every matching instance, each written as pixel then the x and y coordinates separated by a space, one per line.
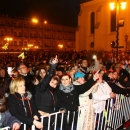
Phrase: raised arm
pixel 87 85
pixel 43 85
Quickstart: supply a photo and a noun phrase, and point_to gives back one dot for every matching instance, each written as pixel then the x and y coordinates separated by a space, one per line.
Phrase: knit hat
pixel 79 75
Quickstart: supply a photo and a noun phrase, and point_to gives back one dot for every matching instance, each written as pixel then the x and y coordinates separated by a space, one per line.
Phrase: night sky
pixel 64 12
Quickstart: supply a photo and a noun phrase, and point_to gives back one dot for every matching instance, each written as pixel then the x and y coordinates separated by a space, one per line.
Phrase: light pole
pixel 117 6
pixel 126 38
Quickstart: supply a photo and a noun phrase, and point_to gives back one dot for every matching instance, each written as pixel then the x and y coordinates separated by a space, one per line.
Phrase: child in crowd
pixel 6 119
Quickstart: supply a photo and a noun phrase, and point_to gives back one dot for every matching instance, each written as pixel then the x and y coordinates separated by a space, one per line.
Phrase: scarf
pixel 66 89
pixel 51 88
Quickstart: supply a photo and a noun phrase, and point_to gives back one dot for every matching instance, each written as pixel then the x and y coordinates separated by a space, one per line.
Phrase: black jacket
pixel 115 88
pixel 70 101
pixel 16 108
pixel 45 99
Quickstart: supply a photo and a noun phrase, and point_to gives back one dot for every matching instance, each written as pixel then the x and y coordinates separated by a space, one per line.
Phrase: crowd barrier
pixel 117 111
pixel 5 128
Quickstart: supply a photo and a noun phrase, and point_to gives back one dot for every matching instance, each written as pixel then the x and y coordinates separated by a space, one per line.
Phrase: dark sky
pixel 64 12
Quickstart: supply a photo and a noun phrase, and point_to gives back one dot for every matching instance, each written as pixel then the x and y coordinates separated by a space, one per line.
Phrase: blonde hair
pixel 15 84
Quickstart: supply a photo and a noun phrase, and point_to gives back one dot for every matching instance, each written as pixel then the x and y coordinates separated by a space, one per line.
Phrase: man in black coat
pixel 30 80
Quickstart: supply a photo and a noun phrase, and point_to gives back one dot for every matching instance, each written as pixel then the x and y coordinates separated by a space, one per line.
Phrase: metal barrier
pixel 117 111
pixel 5 128
pixel 115 114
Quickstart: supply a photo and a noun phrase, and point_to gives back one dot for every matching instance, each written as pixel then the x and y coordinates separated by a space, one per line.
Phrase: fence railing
pixel 117 111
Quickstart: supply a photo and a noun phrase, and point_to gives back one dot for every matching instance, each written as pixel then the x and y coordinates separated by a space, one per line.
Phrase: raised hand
pixel 55 60
pixel 96 75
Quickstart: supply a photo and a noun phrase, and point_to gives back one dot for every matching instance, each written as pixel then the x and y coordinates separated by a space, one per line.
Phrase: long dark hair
pixel 3 104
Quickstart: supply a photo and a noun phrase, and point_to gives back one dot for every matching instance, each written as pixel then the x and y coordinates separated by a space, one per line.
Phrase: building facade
pixel 22 34
pixel 97 25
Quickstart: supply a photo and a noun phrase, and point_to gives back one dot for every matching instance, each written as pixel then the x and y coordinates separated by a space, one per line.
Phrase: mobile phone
pixel 9 69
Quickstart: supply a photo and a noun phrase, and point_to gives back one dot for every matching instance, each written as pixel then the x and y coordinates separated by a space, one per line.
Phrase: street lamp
pixel 34 20
pixel 60 46
pixel 126 38
pixel 117 6
pixel 45 22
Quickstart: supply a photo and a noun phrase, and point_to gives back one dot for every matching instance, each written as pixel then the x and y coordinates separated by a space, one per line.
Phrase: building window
pixel 20 34
pixel 15 34
pixel 92 22
pixel 113 20
pixel 15 43
pixel 2 33
pixel 14 24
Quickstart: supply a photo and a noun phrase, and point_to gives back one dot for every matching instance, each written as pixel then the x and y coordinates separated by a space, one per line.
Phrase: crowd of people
pixel 48 82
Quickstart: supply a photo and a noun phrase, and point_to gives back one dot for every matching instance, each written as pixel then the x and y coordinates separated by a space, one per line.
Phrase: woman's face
pixel 65 81
pixel 53 83
pixel 42 73
pixel 21 88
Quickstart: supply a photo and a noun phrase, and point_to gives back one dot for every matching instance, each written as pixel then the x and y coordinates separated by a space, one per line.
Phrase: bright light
pixel 36 47
pixel 60 46
pixel 8 38
pixel 123 5
pixel 112 5
pixel 30 45
pixel 34 20
pixel 26 49
pixel 45 22
pixel 94 56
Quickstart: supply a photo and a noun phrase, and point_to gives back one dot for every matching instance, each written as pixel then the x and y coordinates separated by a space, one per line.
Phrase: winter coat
pixel 70 101
pixel 100 96
pixel 115 88
pixel 46 99
pixel 7 120
pixel 23 108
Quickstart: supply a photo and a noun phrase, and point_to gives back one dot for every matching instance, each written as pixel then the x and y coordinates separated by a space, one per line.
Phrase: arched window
pixel 92 22
pixel 113 20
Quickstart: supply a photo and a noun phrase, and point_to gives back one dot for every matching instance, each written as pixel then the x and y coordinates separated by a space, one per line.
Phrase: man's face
pixel 2 73
pixel 84 63
pixel 23 69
